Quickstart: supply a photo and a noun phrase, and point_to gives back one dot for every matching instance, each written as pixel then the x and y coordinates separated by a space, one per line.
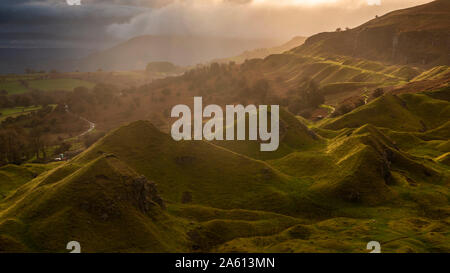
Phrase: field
pixel 19 85
pixel 16 111
pixel 13 87
pixel 59 84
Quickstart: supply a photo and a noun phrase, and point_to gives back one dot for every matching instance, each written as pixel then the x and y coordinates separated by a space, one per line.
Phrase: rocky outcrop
pixel 146 194
pixel 418 35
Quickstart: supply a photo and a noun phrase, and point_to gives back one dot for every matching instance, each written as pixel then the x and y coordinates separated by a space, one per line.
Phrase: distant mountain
pixel 418 35
pixel 378 171
pixel 261 53
pixel 180 50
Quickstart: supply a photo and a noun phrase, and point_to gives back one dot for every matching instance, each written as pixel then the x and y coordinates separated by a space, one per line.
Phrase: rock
pixel 146 194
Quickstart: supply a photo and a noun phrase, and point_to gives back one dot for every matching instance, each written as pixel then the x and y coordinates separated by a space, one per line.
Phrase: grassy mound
pixel 294 136
pixel 174 165
pixel 406 112
pixel 13 176
pixel 104 205
pixel 360 178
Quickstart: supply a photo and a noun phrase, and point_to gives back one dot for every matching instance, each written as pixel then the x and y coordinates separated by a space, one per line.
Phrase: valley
pixel 363 154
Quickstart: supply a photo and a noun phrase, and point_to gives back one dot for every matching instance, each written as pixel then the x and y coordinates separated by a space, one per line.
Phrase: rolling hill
pixel 357 184
pixel 379 172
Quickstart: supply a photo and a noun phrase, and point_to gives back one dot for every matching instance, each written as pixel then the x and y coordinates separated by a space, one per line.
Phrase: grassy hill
pixel 378 172
pixel 405 112
pixel 101 200
pixel 356 184
pixel 415 35
pixel 12 176
pixel 14 84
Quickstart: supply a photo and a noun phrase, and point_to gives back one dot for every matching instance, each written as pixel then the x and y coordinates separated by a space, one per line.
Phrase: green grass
pixel 12 176
pixel 17 111
pixel 433 73
pixel 334 191
pixel 13 87
pixel 59 84
pixel 406 112
pixel 68 206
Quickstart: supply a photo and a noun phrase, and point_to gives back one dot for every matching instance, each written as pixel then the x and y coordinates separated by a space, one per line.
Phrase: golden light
pixel 294 2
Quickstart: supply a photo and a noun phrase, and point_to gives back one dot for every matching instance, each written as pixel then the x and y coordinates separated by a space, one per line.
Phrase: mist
pixel 281 19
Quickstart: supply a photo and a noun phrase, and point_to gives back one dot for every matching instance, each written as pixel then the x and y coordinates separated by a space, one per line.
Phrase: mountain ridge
pixel 136 52
pixel 417 35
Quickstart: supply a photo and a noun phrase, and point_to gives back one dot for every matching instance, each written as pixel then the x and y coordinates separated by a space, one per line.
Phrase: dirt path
pixel 91 124
pixel 91 127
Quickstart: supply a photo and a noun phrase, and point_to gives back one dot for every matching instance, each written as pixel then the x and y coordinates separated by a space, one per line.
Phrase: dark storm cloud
pixel 101 22
pixel 57 12
pixel 55 21
pixel 275 19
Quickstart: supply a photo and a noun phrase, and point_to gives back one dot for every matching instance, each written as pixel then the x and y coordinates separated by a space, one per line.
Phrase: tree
pixel 161 67
pixel 38 142
pixel 261 89
pixel 310 93
pixel 13 146
pixel 63 147
pixel 342 110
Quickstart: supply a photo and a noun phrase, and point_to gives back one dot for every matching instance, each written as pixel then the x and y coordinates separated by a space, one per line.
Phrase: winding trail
pixel 91 124
pixel 91 127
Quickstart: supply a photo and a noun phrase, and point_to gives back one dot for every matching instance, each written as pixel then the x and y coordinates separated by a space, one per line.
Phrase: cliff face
pixel 419 35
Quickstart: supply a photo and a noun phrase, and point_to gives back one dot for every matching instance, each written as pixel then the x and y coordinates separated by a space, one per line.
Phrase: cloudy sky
pixel 100 23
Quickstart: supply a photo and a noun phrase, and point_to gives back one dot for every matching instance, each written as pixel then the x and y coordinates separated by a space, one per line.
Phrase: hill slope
pixel 180 50
pixel 417 35
pixel 104 205
pixel 261 53
pixel 357 184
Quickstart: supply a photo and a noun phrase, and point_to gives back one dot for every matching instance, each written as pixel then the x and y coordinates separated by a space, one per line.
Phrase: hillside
pixel 180 50
pixel 358 183
pixel 101 194
pixel 261 53
pixel 417 35
pixel 406 112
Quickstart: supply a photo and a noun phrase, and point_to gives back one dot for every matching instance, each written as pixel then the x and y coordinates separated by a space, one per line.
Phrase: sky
pixel 102 23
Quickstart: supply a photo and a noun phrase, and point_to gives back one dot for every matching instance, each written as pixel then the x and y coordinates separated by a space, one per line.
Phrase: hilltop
pixel 104 204
pixel 261 53
pixel 417 35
